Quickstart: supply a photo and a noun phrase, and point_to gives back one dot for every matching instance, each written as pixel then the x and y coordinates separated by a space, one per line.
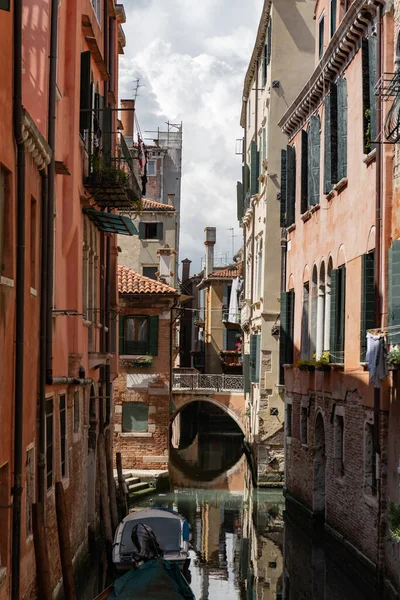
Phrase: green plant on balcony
pixel 394 521
pixel 305 365
pixel 393 358
pixel 322 363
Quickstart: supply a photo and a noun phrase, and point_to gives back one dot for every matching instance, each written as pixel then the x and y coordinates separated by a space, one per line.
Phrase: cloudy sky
pixel 192 58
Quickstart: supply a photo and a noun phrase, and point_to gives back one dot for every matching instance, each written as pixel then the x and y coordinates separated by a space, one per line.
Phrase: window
pixel 248 113
pixel 255 358
pixel 290 185
pixel 286 330
pixel 314 311
pixel 49 443
pixel 335 159
pixel 304 425
pixel 393 289
pixel 139 335
pixel 288 421
pixel 90 277
pixel 30 490
pixel 370 487
pixel 6 225
pixel 150 231
pixel 304 172
pixel 77 413
pixel 260 270
pixel 313 162
pixel 4 513
pixel 369 74
pixel 337 322
pixel 367 300
pixel 305 334
pixel 86 95
pixel 339 445
pixel 151 168
pixel 135 417
pixel 229 338
pixel 321 26
pixel 333 17
pixel 97 9
pixel 255 168
pixel 248 278
pixel 150 272
pixel 63 436
pixel 267 54
pixel 33 243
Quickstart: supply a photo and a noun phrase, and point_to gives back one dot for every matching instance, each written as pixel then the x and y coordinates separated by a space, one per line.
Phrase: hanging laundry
pixel 144 181
pixel 233 303
pixel 376 359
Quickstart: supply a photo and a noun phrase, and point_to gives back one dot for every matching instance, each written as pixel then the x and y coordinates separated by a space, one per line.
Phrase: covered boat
pixel 157 579
pixel 170 528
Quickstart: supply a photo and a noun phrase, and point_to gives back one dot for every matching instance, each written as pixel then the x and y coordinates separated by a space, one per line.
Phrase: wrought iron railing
pixel 213 382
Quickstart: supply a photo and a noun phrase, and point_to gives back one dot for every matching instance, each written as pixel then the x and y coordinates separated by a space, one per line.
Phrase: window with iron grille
pixel 135 417
pixel 49 442
pixel 63 436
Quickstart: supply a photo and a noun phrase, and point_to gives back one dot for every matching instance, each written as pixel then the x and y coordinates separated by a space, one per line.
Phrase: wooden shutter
pixel 121 334
pixel 338 314
pixel 328 147
pixel 246 179
pixel 394 289
pixel 246 373
pixel 290 185
pixel 153 335
pixel 160 231
pixel 86 95
pixel 253 357
pixel 333 320
pixel 333 17
pixel 142 230
pixel 305 326
pixel 4 4
pixel 304 171
pixel 254 168
pixel 367 300
pixel 225 339
pixel 258 357
pixel 314 148
pixel 265 64
pixel 106 136
pixel 372 83
pixel 368 83
pixel 286 328
pixel 240 199
pixel 341 128
pixel 341 311
pixel 283 187
pixel 269 41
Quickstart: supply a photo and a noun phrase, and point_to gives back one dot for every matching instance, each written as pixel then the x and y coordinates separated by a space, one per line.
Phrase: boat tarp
pixel 157 579
pixel 167 532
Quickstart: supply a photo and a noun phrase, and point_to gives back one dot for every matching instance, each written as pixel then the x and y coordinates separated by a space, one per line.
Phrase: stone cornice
pixel 257 52
pixel 34 142
pixel 344 42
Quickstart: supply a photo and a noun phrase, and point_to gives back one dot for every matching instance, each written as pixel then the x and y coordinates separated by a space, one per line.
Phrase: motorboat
pixel 170 528
pixel 149 575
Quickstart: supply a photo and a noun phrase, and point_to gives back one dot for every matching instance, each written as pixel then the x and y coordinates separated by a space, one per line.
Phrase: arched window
pixel 327 328
pixel 314 312
pixel 320 312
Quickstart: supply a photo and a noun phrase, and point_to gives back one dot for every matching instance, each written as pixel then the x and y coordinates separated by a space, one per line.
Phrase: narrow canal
pixel 245 546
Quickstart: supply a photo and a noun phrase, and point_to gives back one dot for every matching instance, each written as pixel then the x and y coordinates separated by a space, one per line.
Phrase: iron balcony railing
pixel 213 382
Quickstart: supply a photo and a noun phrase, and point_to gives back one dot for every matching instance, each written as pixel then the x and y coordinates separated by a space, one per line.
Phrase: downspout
pixel 108 330
pixel 51 189
pixel 283 286
pixel 19 307
pixel 42 360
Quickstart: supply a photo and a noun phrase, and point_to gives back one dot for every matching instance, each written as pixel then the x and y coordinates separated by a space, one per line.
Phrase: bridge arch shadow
pixel 184 402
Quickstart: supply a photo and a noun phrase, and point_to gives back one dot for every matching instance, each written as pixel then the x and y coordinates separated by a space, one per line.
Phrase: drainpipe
pixel 51 188
pixel 72 381
pixel 19 306
pixel 283 285
pixel 107 323
pixel 42 354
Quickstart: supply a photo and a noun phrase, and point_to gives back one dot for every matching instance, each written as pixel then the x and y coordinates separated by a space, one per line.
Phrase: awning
pixel 111 223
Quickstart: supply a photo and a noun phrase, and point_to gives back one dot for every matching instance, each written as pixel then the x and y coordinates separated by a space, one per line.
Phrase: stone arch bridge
pixel 224 391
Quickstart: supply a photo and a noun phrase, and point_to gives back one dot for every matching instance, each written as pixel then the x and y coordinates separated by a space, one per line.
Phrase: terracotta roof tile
pixel 231 271
pixel 130 282
pixel 157 206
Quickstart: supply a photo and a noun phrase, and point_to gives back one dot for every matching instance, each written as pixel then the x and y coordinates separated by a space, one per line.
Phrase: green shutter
pixel 333 17
pixel 4 4
pixel 334 133
pixel 253 357
pixel 142 231
pixel 160 231
pixel 246 373
pixel 153 336
pixel 394 288
pixel 342 128
pixel 265 65
pixel 121 334
pixel 372 83
pixel 286 328
pixel 254 168
pixel 225 339
pixel 258 353
pixel 367 300
pixel 304 171
pixel 333 320
pixel 342 311
pixel 240 199
pixel 328 147
pixel 246 179
pixel 283 188
pixel 269 41
pixel 314 147
pixel 290 185
pixel 106 136
pixel 86 98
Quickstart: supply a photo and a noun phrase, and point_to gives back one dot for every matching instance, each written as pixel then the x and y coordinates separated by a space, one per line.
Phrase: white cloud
pixel 192 58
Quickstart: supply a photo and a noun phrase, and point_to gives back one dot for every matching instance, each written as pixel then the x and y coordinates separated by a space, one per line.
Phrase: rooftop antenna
pixel 136 90
pixel 231 229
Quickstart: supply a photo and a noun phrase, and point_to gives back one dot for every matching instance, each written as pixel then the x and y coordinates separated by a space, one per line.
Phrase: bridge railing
pixel 200 381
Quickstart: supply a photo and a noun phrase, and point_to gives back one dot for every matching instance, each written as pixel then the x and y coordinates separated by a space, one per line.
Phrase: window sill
pixel 306 216
pixel 330 196
pixel 291 228
pixel 131 434
pixel 370 158
pixel 6 281
pixel 151 240
pixel 337 366
pixel 341 185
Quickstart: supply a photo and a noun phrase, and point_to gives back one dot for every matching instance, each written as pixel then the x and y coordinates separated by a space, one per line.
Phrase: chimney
pixel 165 272
pixel 171 199
pixel 211 237
pixel 128 117
pixel 186 269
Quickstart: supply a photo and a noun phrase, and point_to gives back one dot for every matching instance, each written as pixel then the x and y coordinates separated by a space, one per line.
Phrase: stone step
pixel 137 487
pixel 135 495
pixel 131 480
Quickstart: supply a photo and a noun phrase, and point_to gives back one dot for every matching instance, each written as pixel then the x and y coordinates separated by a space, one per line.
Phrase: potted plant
pixel 394 521
pixel 322 364
pixel 393 358
pixel 305 365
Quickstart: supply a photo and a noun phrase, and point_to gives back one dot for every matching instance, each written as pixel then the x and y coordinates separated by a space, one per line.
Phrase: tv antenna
pixel 136 90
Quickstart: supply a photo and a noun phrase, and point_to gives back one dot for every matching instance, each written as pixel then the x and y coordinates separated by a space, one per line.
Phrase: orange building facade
pixel 64 173
pixel 336 195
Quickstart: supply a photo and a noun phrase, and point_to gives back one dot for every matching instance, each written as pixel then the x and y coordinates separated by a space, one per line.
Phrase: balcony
pixel 108 171
pixel 211 383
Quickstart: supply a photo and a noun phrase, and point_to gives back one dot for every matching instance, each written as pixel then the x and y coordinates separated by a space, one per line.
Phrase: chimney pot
pixel 128 117
pixel 210 239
